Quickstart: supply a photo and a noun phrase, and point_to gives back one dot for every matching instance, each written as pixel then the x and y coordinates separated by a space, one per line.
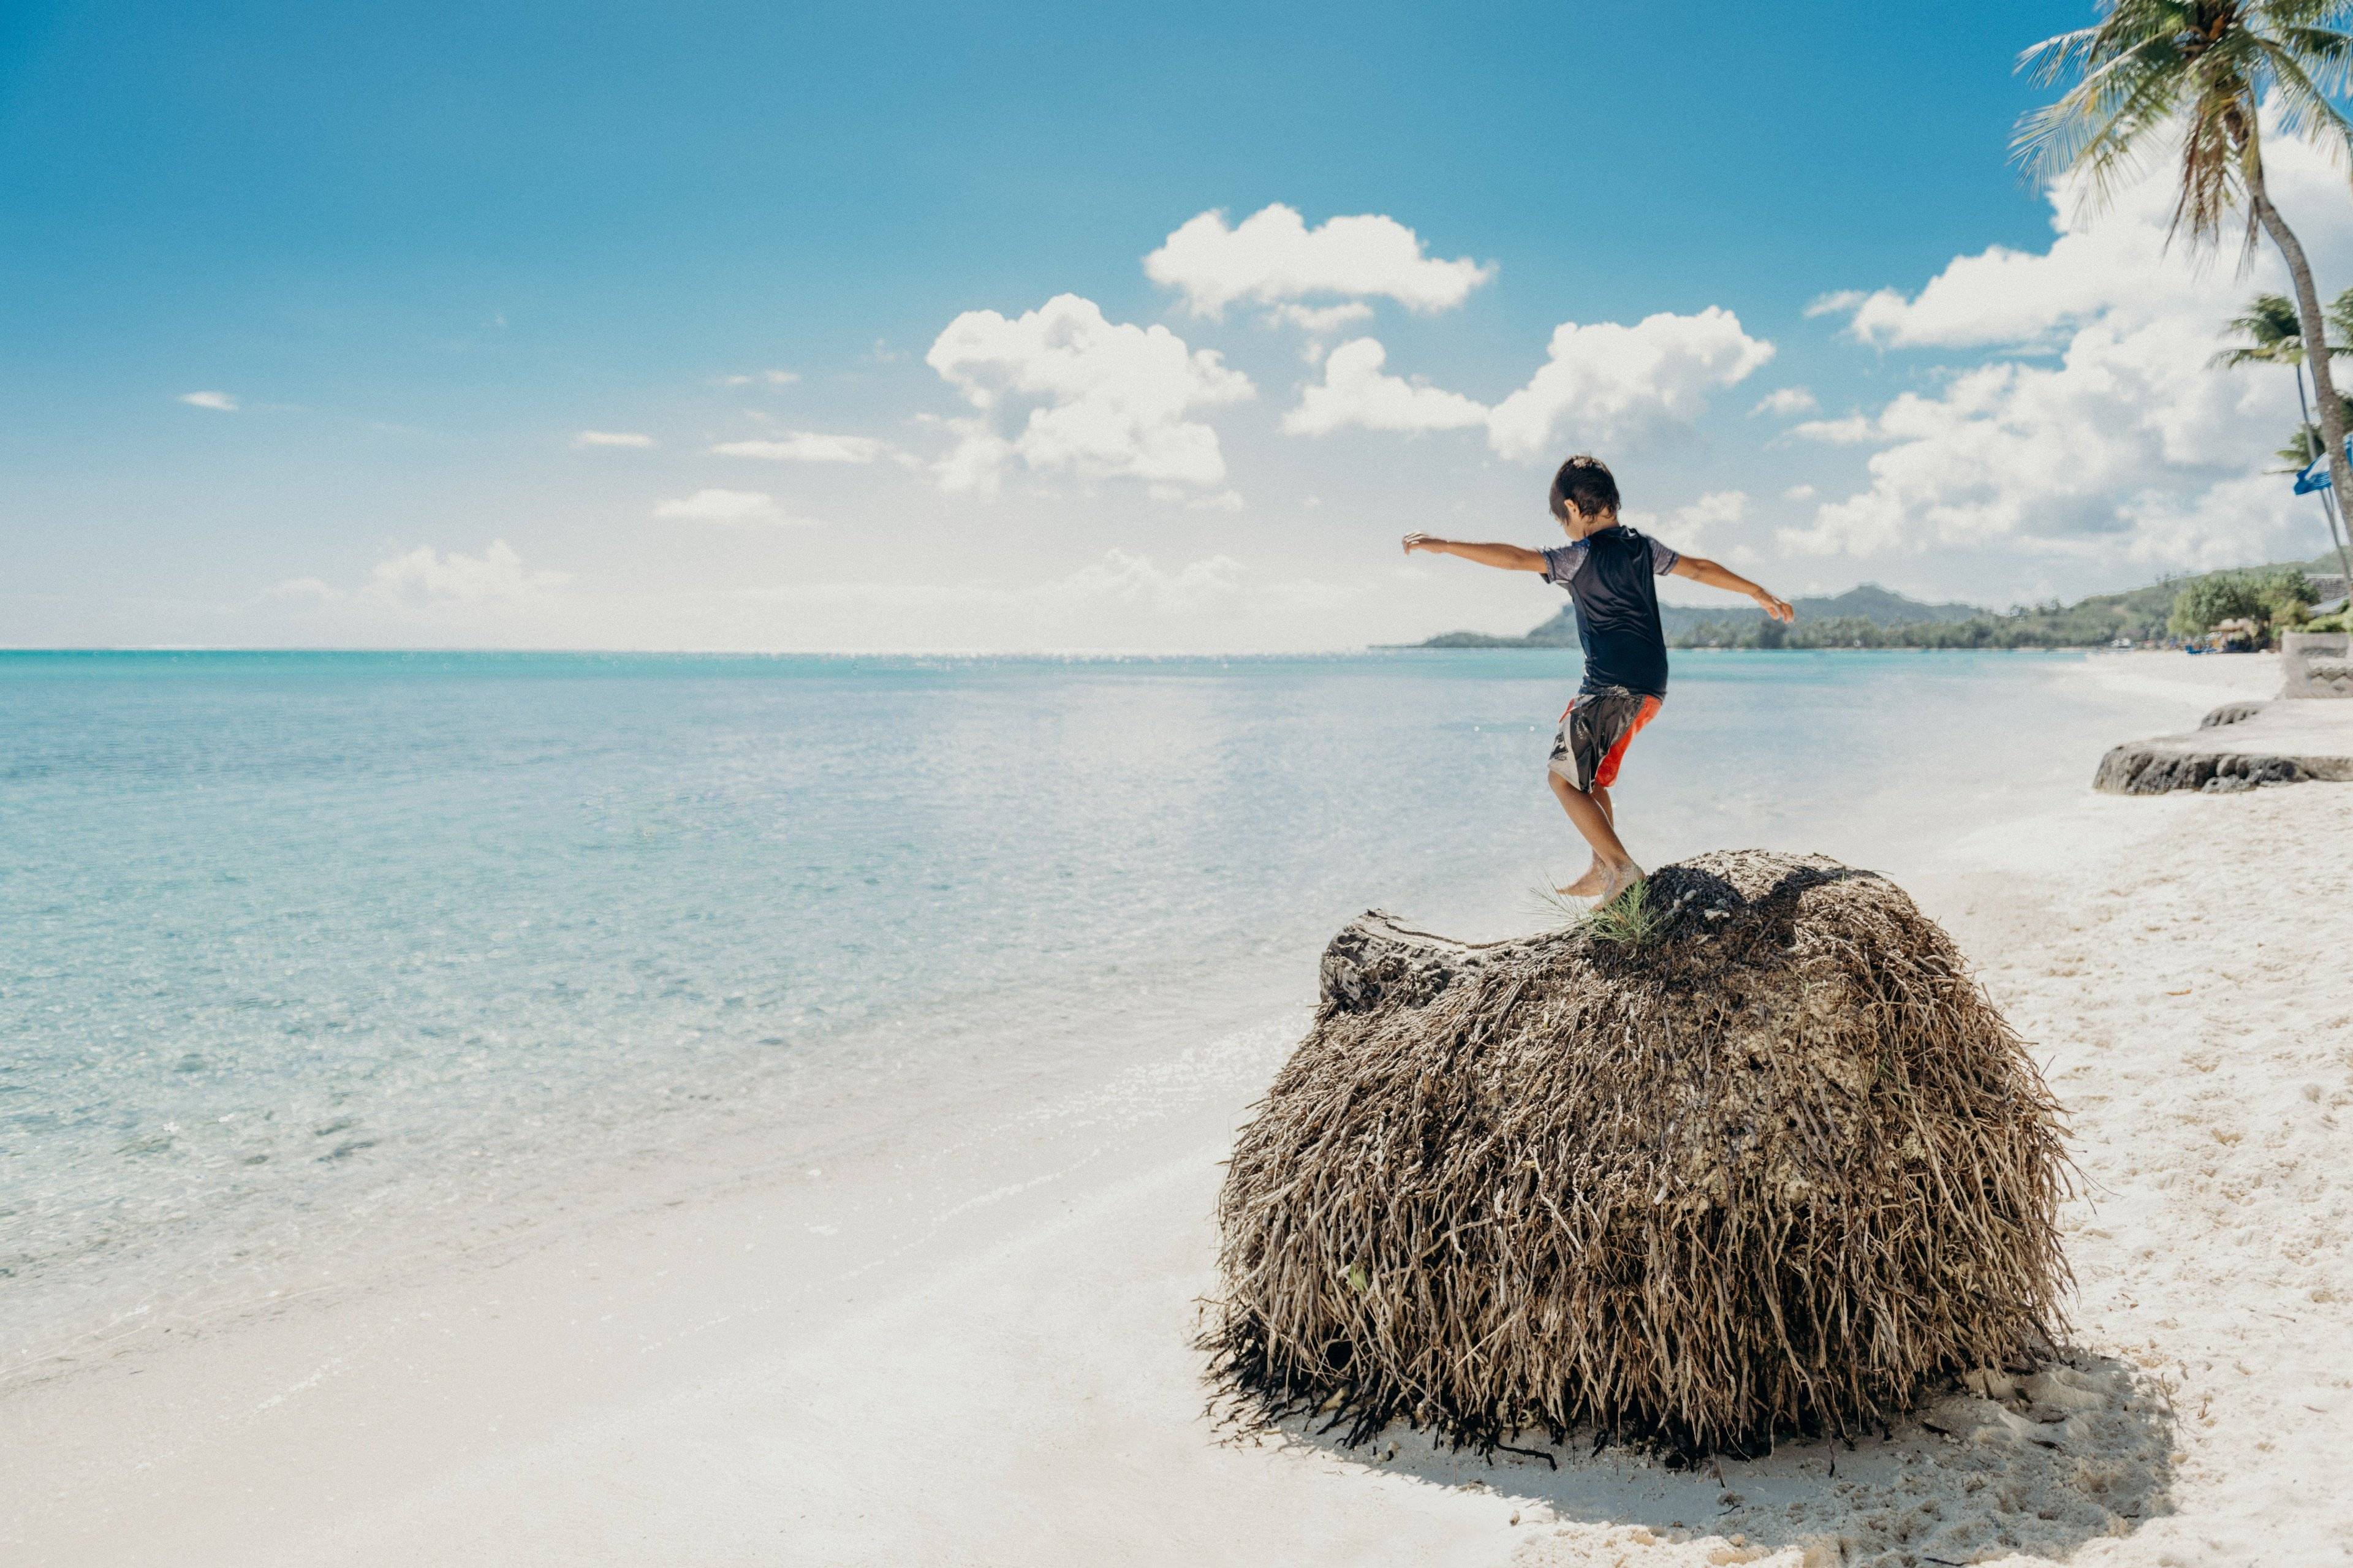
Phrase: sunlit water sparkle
pixel 300 945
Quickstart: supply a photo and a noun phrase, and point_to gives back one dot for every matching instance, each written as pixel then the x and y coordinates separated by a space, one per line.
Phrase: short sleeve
pixel 1563 561
pixel 1662 560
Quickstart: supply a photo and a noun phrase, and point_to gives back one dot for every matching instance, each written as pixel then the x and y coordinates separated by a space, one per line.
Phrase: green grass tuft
pixel 1628 920
pixel 1556 908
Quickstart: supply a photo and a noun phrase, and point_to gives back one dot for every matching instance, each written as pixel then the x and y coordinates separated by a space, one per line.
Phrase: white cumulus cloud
pixel 1212 585
pixel 762 378
pixel 1272 257
pixel 1356 392
pixel 1062 389
pixel 723 506
pixel 2001 296
pixel 1319 320
pixel 1713 510
pixel 2125 446
pixel 2130 447
pixel 425 578
pixel 220 400
pixel 2130 425
pixel 1785 401
pixel 1849 430
pixel 808 446
pixel 587 439
pixel 1600 383
pixel 1704 525
pixel 2105 260
pixel 1605 382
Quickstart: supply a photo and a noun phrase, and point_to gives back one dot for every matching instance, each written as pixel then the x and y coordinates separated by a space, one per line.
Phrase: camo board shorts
pixel 1594 731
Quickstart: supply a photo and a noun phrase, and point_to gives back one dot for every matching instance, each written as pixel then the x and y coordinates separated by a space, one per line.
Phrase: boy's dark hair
pixel 1587 481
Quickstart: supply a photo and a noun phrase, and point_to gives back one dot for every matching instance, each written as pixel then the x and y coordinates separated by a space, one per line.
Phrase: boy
pixel 1607 568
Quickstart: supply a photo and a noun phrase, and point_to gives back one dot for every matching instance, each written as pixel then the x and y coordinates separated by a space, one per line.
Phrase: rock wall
pixel 2316 664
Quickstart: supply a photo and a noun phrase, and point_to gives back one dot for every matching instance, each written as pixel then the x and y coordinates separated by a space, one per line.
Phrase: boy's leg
pixel 1597 871
pixel 1584 764
pixel 1589 812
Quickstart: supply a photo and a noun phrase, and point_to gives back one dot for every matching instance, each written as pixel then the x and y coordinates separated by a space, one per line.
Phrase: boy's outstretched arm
pixel 1509 557
pixel 1699 569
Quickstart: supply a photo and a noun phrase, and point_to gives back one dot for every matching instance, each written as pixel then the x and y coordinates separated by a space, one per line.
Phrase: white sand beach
pixel 979 1353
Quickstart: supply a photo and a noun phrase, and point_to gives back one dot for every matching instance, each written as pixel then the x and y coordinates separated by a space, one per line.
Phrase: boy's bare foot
pixel 1616 879
pixel 1585 887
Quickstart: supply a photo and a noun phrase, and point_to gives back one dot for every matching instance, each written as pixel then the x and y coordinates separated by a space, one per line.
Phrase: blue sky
pixel 422 249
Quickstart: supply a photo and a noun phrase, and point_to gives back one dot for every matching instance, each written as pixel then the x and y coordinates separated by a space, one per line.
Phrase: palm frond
pixel 2326 53
pixel 2200 69
pixel 2304 110
pixel 2049 59
pixel 2301 449
pixel 2307 442
pixel 2213 173
pixel 2097 129
pixel 2273 332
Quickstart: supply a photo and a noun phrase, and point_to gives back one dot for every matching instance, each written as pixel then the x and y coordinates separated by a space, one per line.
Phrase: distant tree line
pixel 2041 627
pixel 2276 595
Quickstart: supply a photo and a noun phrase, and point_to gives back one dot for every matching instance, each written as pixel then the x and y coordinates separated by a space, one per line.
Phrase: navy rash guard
pixel 1608 574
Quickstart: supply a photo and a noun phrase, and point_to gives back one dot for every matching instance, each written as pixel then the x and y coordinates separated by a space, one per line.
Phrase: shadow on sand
pixel 2079 1451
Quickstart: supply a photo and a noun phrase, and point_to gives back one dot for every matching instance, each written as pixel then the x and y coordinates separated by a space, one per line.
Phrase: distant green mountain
pixel 1869 602
pixel 1686 626
pixel 1873 616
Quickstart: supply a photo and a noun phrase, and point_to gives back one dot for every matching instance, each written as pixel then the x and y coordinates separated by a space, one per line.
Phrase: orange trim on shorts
pixel 1607 773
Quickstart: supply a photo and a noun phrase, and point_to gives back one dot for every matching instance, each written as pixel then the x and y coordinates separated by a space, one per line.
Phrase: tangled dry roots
pixel 1775 1171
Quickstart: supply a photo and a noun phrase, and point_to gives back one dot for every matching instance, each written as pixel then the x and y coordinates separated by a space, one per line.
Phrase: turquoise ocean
pixel 300 951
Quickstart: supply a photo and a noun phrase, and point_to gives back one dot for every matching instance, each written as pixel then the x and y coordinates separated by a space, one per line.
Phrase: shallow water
pixel 299 945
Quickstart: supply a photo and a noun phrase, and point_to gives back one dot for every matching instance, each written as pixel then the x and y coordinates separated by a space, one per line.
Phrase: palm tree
pixel 2302 447
pixel 2203 69
pixel 2272 333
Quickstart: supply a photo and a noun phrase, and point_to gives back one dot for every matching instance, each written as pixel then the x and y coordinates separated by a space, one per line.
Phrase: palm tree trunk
pixel 2316 347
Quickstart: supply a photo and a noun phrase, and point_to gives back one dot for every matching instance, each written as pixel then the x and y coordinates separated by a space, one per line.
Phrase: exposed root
pixel 1773 1169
